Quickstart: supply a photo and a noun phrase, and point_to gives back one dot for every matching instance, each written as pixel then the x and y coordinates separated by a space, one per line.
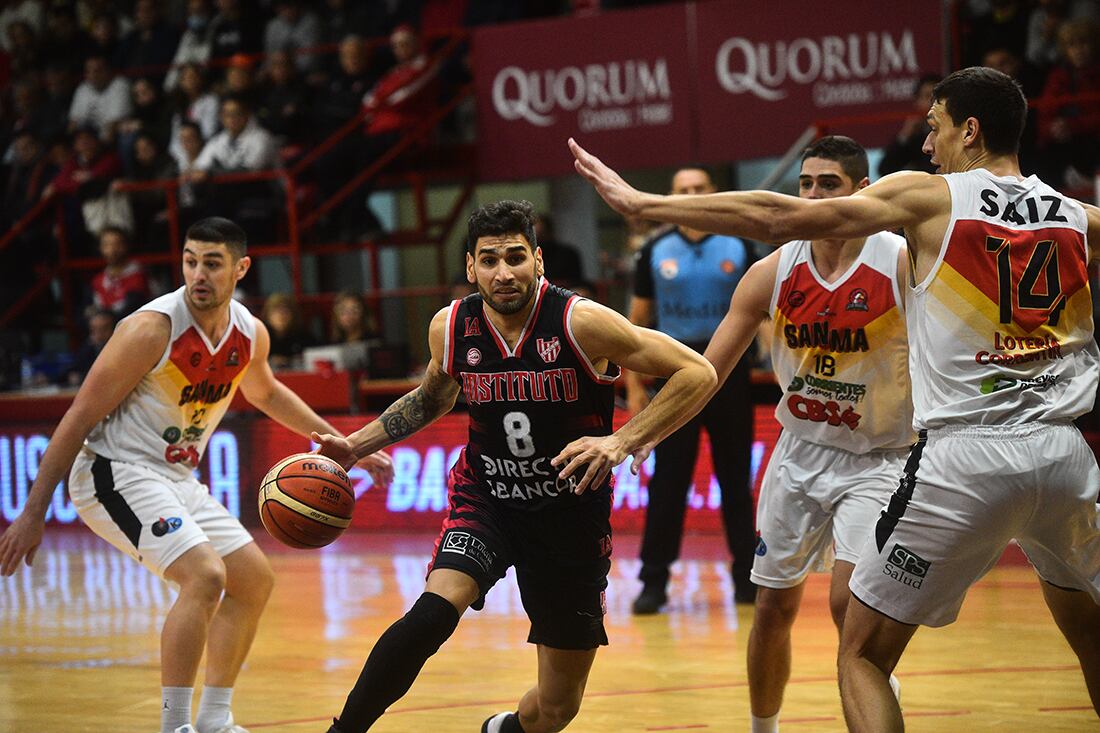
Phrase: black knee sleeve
pixel 396 660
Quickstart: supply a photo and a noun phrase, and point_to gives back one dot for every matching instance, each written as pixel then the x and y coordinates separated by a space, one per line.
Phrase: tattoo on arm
pixel 434 396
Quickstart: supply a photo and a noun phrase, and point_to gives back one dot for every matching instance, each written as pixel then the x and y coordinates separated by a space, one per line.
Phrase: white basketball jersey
pixel 166 421
pixel 839 349
pixel 1001 331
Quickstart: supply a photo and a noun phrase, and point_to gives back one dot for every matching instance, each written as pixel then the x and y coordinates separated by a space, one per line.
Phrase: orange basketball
pixel 306 500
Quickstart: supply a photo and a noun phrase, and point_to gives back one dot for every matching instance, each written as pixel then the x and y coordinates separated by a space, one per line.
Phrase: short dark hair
pixel 218 230
pixel 499 218
pixel 996 100
pixel 844 150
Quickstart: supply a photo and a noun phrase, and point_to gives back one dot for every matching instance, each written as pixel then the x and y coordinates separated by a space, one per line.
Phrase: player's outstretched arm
pixel 133 350
pixel 897 201
pixel 281 404
pixel 434 398
pixel 603 334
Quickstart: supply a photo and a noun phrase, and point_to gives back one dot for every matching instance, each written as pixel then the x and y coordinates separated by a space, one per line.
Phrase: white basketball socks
pixel 175 709
pixel 213 709
pixel 765 725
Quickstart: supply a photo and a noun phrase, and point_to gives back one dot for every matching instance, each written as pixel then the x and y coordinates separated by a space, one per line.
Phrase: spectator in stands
pixel 1006 24
pixel 27 112
pixel 195 103
pixel 24 177
pixel 24 56
pixel 32 13
pixel 1007 61
pixel 149 207
pixel 342 97
pixel 337 103
pixel 285 99
pixel 341 18
pixel 294 28
pixel 240 81
pixel 1069 133
pixel 150 47
pixel 1044 22
pixel 185 151
pixel 194 45
pixel 83 184
pixel 63 41
pixel 105 37
pixel 234 30
pixel 404 95
pixel 123 286
pixel 350 322
pixel 102 101
pixel 904 151
pixel 101 324
pixel 242 146
pixel 289 335
pixel 60 85
pixel 561 261
pixel 150 115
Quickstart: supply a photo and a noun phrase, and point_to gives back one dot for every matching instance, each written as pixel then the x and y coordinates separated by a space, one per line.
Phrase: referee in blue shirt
pixel 682 286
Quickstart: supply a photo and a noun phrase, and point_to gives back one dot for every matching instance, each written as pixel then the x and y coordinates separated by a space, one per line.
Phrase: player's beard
pixel 508 308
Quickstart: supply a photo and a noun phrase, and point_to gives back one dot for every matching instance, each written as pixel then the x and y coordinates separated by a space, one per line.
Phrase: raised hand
pixel 619 195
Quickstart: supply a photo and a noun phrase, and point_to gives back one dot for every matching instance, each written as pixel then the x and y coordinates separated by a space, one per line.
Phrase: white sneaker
pixel 230 727
pixel 186 729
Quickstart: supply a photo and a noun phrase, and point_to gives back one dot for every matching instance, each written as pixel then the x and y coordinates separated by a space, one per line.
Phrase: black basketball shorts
pixel 561 555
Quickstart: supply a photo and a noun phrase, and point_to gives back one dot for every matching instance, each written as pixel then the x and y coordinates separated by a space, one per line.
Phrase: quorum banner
pixel 244 447
pixel 708 81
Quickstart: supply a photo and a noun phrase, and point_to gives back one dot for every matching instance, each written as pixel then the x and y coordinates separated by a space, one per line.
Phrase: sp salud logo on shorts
pixel 164 526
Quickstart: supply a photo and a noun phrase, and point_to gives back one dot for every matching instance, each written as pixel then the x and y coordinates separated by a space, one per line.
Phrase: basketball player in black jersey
pixel 532 488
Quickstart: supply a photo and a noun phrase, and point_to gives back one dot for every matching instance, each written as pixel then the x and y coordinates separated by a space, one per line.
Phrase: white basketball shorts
pixel 816 500
pixel 150 517
pixel 967 492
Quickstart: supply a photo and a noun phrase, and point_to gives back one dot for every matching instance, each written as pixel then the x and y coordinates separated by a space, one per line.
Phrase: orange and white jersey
pixel 166 421
pixel 1001 330
pixel 839 349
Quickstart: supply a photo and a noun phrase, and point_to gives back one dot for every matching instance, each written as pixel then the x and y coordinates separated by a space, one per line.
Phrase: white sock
pixel 213 709
pixel 175 709
pixel 765 725
pixel 895 687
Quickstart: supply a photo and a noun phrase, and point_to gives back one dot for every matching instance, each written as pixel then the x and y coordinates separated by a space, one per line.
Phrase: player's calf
pixel 396 660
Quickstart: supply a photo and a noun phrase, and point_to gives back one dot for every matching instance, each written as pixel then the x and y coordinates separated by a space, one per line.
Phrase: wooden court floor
pixel 79 640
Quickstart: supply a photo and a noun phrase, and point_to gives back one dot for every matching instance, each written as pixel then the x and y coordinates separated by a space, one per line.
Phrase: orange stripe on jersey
pixel 1026 277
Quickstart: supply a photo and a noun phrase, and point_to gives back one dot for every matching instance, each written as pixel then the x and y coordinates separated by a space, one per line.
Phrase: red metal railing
pixel 426 231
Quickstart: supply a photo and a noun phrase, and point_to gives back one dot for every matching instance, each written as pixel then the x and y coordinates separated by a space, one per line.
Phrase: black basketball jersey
pixel 528 403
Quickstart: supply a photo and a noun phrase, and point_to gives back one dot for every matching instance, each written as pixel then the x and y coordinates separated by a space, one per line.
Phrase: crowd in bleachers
pixel 98 97
pixel 1052 47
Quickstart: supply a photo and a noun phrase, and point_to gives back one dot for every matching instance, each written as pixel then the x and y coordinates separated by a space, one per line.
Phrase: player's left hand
pixel 380 467
pixel 601 455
